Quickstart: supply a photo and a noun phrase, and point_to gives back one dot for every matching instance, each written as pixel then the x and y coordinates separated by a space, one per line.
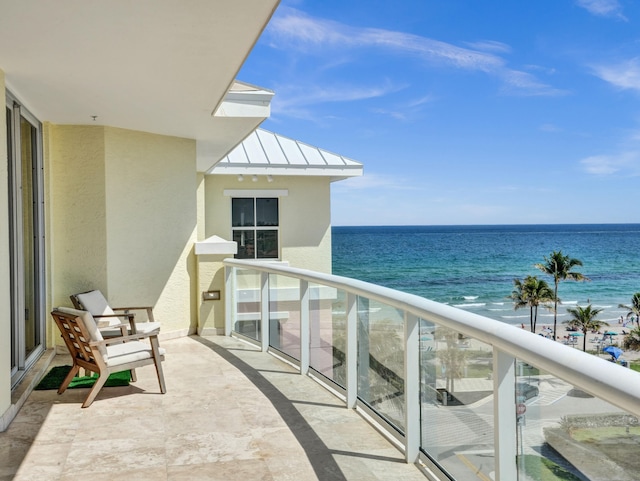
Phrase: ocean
pixel 473 267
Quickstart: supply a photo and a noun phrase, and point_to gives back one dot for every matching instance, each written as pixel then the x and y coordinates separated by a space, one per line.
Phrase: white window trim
pixel 263 194
pixel 244 193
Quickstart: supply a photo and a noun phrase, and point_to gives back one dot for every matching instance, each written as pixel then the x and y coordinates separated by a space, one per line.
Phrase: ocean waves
pixel 473 267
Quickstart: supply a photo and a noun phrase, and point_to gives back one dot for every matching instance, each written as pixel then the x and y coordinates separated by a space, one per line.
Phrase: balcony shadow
pixel 320 456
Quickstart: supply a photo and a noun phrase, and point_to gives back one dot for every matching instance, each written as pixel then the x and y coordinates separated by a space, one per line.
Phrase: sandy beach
pixel 594 340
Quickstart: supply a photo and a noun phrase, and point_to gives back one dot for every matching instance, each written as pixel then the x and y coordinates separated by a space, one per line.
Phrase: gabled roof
pixel 264 152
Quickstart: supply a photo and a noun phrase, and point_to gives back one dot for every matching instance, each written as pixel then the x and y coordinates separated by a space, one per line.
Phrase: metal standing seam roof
pixel 264 152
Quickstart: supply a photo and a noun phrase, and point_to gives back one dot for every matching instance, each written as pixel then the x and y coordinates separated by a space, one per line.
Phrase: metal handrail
pixel 613 383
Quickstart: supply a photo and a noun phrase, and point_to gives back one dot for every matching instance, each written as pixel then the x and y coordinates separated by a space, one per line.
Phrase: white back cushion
pixel 97 305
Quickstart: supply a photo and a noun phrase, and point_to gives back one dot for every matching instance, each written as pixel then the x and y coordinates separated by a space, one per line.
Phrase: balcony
pixel 316 362
pixel 466 397
pixel 231 413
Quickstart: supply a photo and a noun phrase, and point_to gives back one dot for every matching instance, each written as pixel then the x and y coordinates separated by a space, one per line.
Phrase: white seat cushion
pixel 129 352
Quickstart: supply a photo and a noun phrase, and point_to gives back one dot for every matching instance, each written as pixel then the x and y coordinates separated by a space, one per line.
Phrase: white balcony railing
pixel 455 390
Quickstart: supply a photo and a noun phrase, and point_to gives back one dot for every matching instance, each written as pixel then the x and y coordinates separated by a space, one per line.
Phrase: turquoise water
pixel 473 267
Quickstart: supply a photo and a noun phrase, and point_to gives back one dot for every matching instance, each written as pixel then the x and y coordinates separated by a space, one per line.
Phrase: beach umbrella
pixel 613 351
pixel 610 333
pixel 576 334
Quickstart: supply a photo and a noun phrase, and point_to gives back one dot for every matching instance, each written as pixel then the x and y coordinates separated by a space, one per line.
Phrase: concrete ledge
pixel 590 462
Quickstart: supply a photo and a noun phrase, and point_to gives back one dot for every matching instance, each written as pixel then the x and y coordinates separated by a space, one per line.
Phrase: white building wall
pixel 305 215
pixel 151 218
pixel 305 230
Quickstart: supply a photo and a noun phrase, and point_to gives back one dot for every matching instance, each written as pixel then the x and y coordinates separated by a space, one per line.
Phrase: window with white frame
pixel 255 226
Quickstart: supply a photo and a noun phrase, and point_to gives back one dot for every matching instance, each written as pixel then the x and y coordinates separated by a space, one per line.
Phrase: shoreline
pixel 594 340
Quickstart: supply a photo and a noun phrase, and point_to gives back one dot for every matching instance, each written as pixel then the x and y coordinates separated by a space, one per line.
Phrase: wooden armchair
pixel 108 319
pixel 92 352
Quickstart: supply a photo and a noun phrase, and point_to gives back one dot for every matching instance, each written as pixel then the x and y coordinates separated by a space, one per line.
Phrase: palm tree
pixel 453 359
pixel 584 319
pixel 560 267
pixel 634 308
pixel 531 292
pixel 632 340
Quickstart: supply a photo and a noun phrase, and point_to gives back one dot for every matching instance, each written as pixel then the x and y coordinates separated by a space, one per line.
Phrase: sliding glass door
pixel 26 230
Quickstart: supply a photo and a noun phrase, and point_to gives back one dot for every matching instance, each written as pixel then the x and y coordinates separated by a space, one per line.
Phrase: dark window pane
pixel 267 243
pixel 242 213
pixel 267 212
pixel 246 244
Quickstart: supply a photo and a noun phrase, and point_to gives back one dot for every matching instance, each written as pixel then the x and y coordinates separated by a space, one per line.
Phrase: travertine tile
pixel 230 413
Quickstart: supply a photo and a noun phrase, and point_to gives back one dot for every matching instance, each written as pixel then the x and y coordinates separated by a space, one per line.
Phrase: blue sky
pixel 463 111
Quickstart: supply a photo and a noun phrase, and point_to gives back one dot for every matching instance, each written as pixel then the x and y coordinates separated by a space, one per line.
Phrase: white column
pixel 229 299
pixel 411 387
pixel 504 410
pixel 264 311
pixel 352 350
pixel 304 327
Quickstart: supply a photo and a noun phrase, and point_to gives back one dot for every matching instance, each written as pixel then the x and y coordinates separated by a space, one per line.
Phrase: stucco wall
pixel 5 293
pixel 151 219
pixel 305 215
pixel 124 219
pixel 78 243
pixel 305 230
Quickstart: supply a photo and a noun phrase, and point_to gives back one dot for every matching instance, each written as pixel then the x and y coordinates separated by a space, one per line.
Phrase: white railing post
pixel 411 387
pixel 504 411
pixel 229 299
pixel 304 327
pixel 265 335
pixel 352 350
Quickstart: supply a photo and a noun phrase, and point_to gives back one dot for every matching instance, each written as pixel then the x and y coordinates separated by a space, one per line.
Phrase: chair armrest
pixel 127 314
pixel 131 337
pixel 149 310
pixel 132 308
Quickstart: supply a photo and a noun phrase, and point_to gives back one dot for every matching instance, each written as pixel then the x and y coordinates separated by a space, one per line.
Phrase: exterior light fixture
pixel 254 178
pixel 269 178
pixel 240 178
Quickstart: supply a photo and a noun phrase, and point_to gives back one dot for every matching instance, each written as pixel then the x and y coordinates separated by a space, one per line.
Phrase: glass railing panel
pixel 328 332
pixel 565 431
pixel 457 418
pixel 381 359
pixel 284 314
pixel 247 303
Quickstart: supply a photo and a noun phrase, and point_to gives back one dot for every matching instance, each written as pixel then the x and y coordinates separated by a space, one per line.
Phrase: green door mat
pixel 56 375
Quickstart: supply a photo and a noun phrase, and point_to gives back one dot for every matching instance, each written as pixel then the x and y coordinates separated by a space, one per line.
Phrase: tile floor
pixel 230 413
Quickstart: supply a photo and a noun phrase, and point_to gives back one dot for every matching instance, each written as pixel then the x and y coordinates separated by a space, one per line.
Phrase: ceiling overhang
pixel 160 66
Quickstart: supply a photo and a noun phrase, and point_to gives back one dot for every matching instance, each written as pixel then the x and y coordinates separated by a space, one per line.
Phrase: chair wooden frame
pixel 88 351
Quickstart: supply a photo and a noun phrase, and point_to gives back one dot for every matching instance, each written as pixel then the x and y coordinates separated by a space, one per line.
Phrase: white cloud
pixel 293 99
pixel 305 31
pixel 625 75
pixel 602 8
pixel 292 29
pixel 524 83
pixel 490 46
pixel 625 162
